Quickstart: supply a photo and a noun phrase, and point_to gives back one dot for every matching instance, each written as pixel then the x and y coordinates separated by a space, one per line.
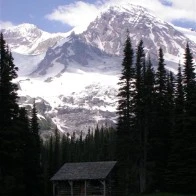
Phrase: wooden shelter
pixel 84 178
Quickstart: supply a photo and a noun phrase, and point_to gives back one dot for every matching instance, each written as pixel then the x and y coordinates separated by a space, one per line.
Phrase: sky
pixel 63 15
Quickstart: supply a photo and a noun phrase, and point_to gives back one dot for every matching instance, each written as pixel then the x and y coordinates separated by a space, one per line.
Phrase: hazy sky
pixel 62 15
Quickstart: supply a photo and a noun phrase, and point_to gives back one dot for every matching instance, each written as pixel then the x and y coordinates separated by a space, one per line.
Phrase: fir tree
pixel 138 100
pixel 179 96
pixel 189 81
pixel 169 110
pixel 48 165
pixel 124 126
pixel 11 145
pixel 147 120
pixel 8 89
pixel 25 135
pixel 160 135
pixel 161 78
pixel 35 156
pixel 174 177
pixel 57 153
pixel 64 148
pixel 127 75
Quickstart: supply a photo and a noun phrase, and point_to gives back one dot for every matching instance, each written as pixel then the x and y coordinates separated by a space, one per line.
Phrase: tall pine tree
pixel 124 126
pixel 160 135
pixel 25 136
pixel 174 177
pixel 189 81
pixel 149 119
pixel 138 99
pixel 57 152
pixel 8 89
pixel 11 150
pixel 36 152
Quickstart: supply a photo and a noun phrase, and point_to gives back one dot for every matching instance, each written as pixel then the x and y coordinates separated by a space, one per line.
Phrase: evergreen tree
pixel 11 151
pixel 48 164
pixel 124 103
pixel 35 156
pixel 81 147
pixel 125 115
pixel 19 143
pixel 8 89
pixel 149 119
pixel 173 174
pixel 138 99
pixel 189 81
pixel 51 155
pixel 161 78
pixel 25 136
pixel 57 152
pixel 160 134
pixel 179 97
pixel 64 148
pixel 34 126
pixel 169 110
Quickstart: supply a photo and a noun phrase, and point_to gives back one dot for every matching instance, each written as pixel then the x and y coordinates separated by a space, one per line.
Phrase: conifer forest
pixel 153 142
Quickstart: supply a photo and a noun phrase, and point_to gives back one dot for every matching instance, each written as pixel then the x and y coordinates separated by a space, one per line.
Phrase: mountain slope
pixel 76 81
pixel 108 32
pixel 26 63
pixel 191 34
pixel 28 39
pixel 104 39
pixel 74 101
pixel 75 55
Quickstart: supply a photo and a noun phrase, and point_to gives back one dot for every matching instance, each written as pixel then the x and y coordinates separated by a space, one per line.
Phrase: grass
pixel 162 194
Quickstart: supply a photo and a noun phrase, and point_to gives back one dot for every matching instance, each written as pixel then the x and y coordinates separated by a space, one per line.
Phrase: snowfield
pixel 74 101
pixel 66 85
pixel 191 34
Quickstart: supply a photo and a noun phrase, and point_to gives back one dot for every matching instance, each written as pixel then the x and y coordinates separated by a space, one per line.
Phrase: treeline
pixel 96 145
pixel 20 170
pixel 156 130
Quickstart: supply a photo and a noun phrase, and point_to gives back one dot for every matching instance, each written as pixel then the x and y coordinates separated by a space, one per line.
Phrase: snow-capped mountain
pixel 29 39
pixel 106 35
pixel 190 33
pixel 27 63
pixel 75 84
pixel 74 101
pixel 76 54
pixel 109 30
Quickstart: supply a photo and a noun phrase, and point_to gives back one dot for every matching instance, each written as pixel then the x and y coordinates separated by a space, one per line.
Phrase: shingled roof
pixel 84 171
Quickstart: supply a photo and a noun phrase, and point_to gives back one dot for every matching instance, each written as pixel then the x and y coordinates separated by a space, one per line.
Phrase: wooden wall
pixel 93 187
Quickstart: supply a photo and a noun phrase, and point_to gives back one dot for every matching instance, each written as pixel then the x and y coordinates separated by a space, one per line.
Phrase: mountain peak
pixel 24 27
pixel 25 30
pixel 124 7
pixel 27 26
pixel 108 32
pixel 29 39
pixel 127 6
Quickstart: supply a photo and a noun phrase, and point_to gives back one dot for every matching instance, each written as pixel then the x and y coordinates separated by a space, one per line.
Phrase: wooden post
pixel 85 192
pixel 53 189
pixel 104 188
pixel 71 184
